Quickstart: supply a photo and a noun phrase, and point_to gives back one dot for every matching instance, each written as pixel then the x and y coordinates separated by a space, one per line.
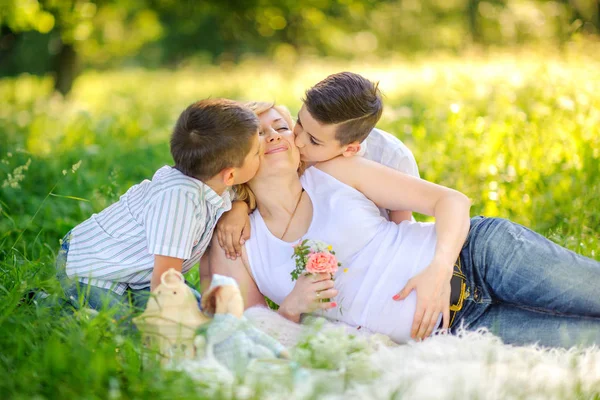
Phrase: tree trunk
pixel 66 68
pixel 473 12
pixel 597 16
pixel 7 42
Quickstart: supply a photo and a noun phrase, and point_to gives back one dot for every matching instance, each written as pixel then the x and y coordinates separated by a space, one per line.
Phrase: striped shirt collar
pixel 213 198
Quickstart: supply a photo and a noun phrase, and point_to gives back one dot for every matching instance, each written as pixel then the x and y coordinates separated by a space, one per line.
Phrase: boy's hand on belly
pixel 433 298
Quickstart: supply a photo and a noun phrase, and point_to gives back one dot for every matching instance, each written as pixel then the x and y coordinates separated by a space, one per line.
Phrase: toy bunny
pixel 232 339
pixel 171 319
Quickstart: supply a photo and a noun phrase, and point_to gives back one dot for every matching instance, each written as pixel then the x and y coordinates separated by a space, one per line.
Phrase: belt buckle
pixel 458 304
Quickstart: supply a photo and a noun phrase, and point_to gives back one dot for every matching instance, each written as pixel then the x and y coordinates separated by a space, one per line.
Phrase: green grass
pixel 518 134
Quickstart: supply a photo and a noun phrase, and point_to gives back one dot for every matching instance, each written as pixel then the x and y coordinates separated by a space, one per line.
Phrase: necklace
pixel 293 213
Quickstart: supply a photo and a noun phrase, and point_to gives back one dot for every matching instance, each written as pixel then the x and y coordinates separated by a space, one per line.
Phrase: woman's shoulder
pixel 329 179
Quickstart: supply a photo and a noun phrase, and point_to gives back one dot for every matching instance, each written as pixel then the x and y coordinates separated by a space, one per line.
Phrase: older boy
pixel 166 222
pixel 338 117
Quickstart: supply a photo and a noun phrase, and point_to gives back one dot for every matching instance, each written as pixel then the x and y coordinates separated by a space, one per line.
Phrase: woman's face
pixel 277 141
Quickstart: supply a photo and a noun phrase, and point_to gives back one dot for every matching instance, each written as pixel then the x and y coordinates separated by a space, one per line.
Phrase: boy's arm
pixel 233 229
pixel 171 223
pixel 399 216
pixel 162 265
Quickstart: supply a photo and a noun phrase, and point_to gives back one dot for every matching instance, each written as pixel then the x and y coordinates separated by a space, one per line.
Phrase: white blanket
pixel 470 365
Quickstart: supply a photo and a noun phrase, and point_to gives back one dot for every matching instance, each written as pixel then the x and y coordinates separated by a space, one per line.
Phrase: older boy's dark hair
pixel 349 100
pixel 212 135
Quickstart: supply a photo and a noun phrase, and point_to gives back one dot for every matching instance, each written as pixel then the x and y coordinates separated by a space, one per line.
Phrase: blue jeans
pixel 80 294
pixel 527 289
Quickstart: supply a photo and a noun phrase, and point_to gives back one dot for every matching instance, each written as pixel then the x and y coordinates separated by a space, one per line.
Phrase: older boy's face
pixel 251 163
pixel 316 141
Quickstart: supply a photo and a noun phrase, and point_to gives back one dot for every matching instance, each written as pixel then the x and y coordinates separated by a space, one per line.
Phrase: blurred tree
pixel 61 36
pixel 587 11
pixel 95 30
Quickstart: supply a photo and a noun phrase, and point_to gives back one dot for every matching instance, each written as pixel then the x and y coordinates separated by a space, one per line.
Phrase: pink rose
pixel 319 263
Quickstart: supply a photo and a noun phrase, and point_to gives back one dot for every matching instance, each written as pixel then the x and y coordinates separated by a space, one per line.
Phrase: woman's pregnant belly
pixel 372 307
pixel 378 273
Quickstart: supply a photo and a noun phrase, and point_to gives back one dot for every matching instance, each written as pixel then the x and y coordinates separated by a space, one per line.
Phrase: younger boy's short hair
pixel 211 135
pixel 349 100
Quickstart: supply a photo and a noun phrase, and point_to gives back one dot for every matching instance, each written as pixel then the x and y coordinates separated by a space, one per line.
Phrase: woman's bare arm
pixel 239 269
pixel 302 299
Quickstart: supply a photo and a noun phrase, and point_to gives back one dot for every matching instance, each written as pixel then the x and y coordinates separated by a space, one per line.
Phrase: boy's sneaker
pixel 34 295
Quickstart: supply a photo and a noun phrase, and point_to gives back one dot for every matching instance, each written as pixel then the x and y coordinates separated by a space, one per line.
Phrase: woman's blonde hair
pixel 243 191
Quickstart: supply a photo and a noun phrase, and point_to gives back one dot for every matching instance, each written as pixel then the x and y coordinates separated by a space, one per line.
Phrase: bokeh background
pixel 498 98
pixel 64 37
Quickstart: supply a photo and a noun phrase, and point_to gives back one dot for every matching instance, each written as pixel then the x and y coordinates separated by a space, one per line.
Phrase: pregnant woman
pixel 499 275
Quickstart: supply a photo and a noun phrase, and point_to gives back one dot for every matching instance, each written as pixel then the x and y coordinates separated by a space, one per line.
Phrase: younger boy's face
pixel 251 163
pixel 316 141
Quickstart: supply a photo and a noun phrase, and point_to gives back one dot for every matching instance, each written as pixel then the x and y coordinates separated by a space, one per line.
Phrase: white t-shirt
pixel 388 150
pixel 171 215
pixel 378 257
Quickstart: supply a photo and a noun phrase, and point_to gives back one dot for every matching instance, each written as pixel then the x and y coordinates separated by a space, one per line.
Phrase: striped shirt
pixel 172 215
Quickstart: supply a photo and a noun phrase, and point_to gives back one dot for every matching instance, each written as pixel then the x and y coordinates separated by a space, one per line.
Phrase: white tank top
pixel 380 256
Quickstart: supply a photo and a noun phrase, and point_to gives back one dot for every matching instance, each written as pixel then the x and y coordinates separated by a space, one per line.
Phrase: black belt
pixel 458 288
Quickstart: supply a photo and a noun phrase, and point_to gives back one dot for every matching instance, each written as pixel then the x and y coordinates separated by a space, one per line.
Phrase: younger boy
pixel 166 222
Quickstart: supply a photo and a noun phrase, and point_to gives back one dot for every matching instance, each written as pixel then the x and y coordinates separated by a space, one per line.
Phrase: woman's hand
pixel 307 294
pixel 433 298
pixel 233 229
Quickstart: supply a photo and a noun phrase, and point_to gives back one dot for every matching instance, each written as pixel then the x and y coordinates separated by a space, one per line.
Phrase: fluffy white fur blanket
pixel 472 365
